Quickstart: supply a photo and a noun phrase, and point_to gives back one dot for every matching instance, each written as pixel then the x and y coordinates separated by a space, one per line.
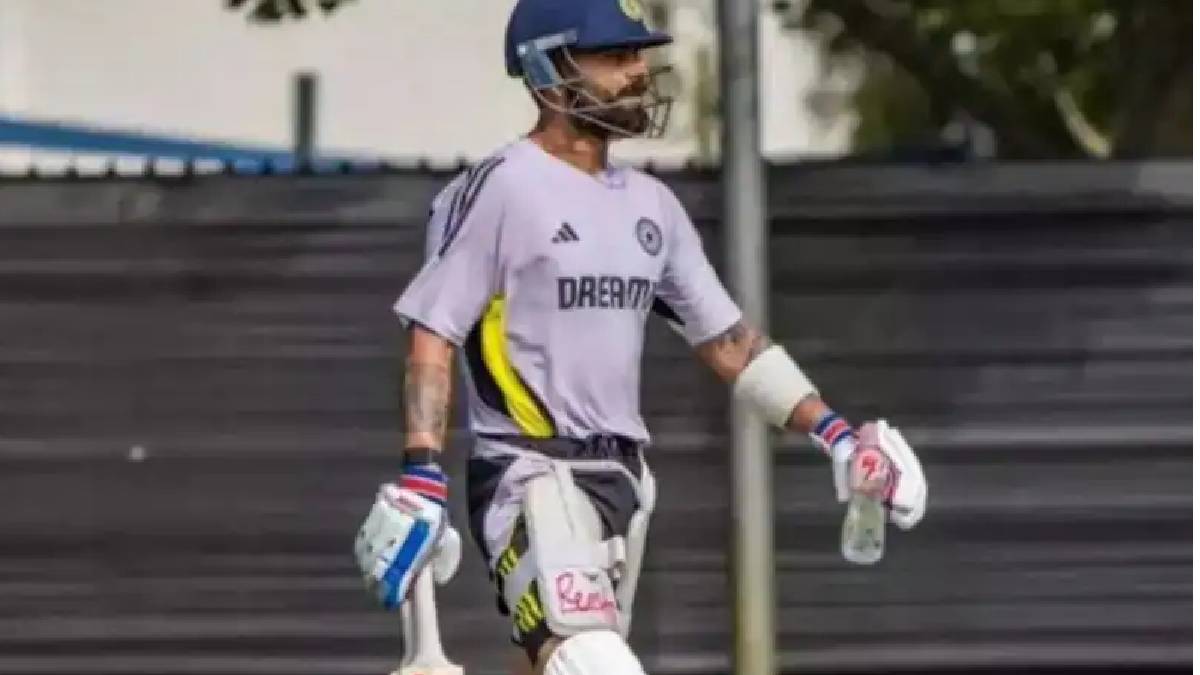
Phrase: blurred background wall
pixel 198 395
pixel 404 80
pixel 397 79
pixel 980 227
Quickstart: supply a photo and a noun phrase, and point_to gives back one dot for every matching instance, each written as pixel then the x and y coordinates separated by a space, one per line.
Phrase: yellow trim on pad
pixel 528 610
pixel 522 406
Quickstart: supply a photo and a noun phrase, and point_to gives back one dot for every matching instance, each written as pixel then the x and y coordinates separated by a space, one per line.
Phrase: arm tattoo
pixel 427 400
pixel 741 343
pixel 730 352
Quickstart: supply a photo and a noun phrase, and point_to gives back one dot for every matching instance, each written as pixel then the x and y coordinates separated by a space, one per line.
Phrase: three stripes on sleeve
pixel 464 200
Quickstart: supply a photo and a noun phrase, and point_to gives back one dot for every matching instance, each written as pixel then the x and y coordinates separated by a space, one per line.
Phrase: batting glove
pixel 858 467
pixel 406 528
pixel 878 462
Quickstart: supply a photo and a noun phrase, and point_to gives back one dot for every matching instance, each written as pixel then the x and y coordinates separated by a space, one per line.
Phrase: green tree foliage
pixel 274 11
pixel 1050 78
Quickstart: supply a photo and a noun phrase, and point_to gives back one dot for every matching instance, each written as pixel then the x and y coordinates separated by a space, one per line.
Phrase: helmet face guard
pixel 653 108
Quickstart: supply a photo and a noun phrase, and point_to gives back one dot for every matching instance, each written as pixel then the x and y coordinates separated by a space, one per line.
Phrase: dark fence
pixel 198 382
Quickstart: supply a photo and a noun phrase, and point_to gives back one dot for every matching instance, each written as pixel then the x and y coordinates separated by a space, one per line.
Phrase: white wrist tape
pixel 773 384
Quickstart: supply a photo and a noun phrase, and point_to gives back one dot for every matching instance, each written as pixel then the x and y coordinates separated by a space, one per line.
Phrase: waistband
pixel 599 446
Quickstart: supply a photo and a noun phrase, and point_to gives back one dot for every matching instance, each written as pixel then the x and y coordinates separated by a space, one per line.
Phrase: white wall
pixel 398 78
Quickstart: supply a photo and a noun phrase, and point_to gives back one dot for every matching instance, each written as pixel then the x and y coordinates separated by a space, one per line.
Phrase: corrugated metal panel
pixel 197 386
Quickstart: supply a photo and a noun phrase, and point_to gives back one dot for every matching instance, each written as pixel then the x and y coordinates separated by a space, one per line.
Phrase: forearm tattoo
pixel 427 400
pixel 730 352
pixel 742 342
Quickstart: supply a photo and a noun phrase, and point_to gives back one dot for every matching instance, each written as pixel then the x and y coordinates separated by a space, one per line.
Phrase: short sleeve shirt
pixel 544 275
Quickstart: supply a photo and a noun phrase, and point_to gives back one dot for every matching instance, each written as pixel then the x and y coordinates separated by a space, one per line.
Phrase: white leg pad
pixel 596 652
pixel 572 564
pixel 635 548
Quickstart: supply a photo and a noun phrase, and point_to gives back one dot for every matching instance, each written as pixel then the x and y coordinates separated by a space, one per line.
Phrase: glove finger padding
pixel 396 541
pixel 448 555
pixel 906 506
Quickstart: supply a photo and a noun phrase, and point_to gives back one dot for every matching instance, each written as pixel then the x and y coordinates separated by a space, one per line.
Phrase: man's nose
pixel 637 72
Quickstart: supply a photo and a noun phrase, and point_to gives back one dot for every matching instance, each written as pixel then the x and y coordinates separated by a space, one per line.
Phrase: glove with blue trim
pixel 406 529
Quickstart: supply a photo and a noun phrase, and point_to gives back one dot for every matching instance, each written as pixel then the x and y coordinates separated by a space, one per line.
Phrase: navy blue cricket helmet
pixel 537 27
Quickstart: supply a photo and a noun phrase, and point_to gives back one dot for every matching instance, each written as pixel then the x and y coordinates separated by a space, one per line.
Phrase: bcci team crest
pixel 649 236
pixel 632 9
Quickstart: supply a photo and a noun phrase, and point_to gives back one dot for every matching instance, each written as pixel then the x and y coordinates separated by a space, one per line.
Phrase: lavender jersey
pixel 544 275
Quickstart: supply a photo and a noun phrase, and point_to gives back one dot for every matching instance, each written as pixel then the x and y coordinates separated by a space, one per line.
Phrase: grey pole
pixel 752 542
pixel 304 117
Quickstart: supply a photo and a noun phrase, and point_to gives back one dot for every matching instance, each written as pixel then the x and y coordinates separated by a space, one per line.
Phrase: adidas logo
pixel 565 234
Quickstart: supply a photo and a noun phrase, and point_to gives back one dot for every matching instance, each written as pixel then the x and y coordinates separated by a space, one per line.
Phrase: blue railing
pixel 240 158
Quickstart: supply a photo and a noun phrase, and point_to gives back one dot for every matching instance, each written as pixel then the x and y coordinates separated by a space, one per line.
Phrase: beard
pixel 627 114
pixel 598 113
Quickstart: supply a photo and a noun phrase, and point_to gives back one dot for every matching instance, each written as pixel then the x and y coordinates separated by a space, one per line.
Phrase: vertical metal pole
pixel 745 236
pixel 304 117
